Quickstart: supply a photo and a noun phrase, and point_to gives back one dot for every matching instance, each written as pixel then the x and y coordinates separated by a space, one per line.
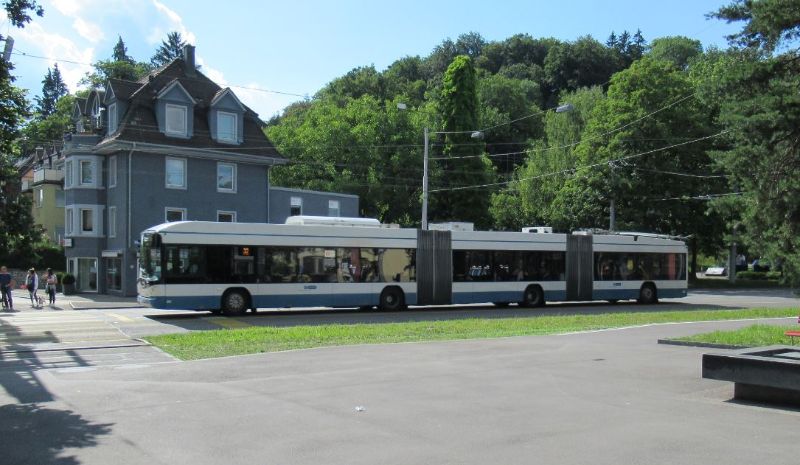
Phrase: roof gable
pixel 174 90
pixel 226 96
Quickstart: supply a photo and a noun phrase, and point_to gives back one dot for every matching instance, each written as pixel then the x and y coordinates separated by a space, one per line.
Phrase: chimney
pixel 188 59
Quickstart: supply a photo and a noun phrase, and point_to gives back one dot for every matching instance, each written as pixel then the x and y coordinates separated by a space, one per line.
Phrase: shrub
pixel 68 279
pixel 755 275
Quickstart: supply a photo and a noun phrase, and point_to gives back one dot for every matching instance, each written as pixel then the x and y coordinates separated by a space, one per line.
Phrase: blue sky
pixel 299 46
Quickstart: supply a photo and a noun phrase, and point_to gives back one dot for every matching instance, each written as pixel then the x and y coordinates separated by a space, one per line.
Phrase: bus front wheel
pixel 235 302
pixel 392 299
pixel 648 294
pixel 533 297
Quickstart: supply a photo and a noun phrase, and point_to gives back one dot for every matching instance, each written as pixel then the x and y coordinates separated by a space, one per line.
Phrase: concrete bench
pixel 762 374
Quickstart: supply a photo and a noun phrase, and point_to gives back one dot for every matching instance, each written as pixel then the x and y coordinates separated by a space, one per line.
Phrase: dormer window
pixel 226 127
pixel 176 120
pixel 112 118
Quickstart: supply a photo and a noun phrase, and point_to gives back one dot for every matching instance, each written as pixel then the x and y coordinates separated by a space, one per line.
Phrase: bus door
pixel 434 268
pixel 579 267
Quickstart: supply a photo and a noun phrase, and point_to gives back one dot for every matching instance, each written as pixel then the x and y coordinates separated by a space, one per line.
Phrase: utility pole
pixel 425 184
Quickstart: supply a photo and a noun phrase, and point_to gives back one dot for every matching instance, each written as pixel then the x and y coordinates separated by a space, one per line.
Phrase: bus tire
pixel 392 299
pixel 533 297
pixel 648 294
pixel 235 302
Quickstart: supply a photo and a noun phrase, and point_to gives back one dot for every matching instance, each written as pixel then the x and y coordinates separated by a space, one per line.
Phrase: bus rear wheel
pixel 648 294
pixel 235 302
pixel 533 297
pixel 392 299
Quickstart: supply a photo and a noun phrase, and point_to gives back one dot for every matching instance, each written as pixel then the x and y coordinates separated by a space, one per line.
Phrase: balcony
pixel 43 175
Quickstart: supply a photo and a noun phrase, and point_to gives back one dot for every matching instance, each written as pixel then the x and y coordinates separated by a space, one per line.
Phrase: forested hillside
pixel 663 135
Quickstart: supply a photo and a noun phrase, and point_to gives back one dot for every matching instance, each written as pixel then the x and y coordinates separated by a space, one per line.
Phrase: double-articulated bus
pixel 233 267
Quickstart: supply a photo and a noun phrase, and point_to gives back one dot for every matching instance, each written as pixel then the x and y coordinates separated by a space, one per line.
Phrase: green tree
pixel 17 233
pixel 120 52
pixel 761 109
pixel 169 49
pixel 678 50
pixel 53 88
pixel 635 152
pixel 120 66
pixel 463 162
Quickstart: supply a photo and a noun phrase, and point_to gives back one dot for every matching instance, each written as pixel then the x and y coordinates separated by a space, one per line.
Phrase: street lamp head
pixel 564 108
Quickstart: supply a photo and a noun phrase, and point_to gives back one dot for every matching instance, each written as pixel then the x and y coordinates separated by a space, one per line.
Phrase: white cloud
pixel 89 31
pixel 176 24
pixel 59 49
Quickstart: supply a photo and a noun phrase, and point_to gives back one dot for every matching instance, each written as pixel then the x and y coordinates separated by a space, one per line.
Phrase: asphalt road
pixel 600 397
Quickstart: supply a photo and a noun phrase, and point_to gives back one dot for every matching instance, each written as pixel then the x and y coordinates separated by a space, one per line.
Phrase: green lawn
pixel 718 283
pixel 751 336
pixel 224 342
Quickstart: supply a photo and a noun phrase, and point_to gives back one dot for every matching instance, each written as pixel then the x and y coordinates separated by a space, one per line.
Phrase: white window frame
pixel 69 221
pixel 167 210
pixel 225 212
pixel 112 221
pixel 166 174
pixel 234 137
pixel 112 171
pixel 92 169
pixel 39 196
pixel 68 174
pixel 295 202
pixel 338 208
pixel 112 118
pixel 233 174
pixel 172 131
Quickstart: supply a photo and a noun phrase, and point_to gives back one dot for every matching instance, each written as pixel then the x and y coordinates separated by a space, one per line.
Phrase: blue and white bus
pixel 233 267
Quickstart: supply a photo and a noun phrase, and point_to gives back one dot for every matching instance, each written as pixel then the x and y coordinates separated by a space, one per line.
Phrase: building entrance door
pixel 87 275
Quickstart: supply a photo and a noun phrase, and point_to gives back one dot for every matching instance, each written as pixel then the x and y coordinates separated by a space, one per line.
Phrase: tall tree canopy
pixel 120 66
pixel 53 88
pixel 169 49
pixel 761 109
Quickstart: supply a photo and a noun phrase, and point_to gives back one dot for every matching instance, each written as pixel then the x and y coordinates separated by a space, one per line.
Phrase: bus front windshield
pixel 150 259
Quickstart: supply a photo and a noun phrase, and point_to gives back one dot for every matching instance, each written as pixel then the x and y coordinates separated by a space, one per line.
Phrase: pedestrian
pixel 32 284
pixel 51 281
pixel 5 288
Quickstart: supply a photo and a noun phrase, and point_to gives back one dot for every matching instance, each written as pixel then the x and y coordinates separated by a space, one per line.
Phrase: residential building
pixel 42 179
pixel 172 146
pixel 285 202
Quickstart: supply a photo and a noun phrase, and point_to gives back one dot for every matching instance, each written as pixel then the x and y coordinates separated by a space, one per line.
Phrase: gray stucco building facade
pixel 173 146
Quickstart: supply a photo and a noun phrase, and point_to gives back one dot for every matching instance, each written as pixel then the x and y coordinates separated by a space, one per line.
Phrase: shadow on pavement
pixel 33 434
pixel 200 321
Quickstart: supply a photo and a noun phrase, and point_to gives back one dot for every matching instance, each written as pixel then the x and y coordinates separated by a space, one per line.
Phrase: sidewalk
pixel 22 302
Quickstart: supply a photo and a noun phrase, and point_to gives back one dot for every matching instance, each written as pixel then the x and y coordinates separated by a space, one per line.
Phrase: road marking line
pixel 122 318
pixel 227 322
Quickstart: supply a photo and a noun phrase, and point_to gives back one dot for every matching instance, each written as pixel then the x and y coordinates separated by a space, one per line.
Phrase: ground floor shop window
pixel 113 274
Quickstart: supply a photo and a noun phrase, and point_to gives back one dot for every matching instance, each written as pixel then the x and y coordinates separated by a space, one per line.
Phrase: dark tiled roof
pixel 139 122
pixel 123 89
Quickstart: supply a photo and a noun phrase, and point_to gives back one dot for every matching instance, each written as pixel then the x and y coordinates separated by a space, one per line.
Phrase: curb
pixel 706 345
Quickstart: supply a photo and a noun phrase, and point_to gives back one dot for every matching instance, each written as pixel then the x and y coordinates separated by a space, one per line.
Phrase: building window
pixel 176 173
pixel 112 171
pixel 295 206
pixel 175 121
pixel 69 222
pixel 226 177
pixel 112 118
pixel 226 217
pixel 68 174
pixel 60 199
pixel 112 221
pixel 333 208
pixel 87 172
pixel 174 214
pixel 87 220
pixel 226 127
pixel 39 197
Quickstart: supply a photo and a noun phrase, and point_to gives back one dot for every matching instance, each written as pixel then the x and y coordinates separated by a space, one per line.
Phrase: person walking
pixel 51 280
pixel 32 284
pixel 5 288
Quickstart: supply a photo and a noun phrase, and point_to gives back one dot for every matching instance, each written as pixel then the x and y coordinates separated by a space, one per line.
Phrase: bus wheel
pixel 234 303
pixel 392 299
pixel 648 294
pixel 534 297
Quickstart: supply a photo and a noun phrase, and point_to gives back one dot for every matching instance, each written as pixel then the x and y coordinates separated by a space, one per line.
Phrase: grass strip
pixel 225 342
pixel 751 336
pixel 712 283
